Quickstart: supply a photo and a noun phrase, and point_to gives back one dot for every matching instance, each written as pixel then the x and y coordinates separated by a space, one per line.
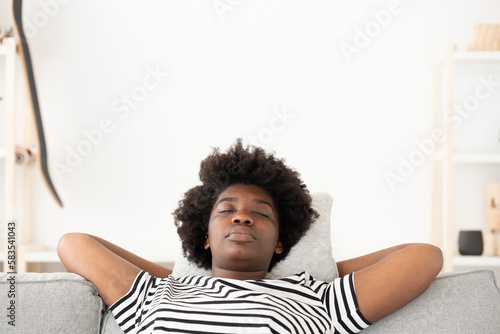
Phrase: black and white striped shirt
pixel 201 304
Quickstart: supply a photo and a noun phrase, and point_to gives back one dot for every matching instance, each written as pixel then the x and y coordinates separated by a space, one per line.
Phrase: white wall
pixel 351 119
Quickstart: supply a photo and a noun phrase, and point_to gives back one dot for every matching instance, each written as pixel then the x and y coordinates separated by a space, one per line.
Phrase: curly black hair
pixel 239 165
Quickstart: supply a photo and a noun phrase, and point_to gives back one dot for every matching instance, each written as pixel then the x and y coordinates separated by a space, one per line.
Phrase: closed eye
pixel 261 214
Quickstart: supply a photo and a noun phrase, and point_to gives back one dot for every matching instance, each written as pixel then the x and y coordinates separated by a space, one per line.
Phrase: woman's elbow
pixel 437 257
pixel 66 248
pixel 433 259
pixel 64 243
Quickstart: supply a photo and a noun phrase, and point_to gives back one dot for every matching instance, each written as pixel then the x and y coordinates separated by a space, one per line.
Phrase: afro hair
pixel 239 165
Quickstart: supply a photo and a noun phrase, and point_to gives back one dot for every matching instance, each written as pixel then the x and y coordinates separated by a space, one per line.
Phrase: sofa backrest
pixel 55 303
pixel 467 302
pixel 49 303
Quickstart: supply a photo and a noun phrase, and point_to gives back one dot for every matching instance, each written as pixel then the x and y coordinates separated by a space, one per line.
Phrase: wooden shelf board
pixel 465 56
pixel 52 257
pixel 469 158
pixel 439 155
pixel 477 158
pixel 470 56
pixel 42 257
pixel 476 261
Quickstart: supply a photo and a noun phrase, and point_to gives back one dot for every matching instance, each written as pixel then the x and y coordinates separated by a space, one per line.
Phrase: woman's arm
pixel 110 268
pixel 388 279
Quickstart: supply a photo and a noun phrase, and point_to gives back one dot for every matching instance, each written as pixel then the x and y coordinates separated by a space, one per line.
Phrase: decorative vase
pixel 470 242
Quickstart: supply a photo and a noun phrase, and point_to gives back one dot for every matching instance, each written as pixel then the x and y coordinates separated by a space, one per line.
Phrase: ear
pixel 279 247
pixel 207 242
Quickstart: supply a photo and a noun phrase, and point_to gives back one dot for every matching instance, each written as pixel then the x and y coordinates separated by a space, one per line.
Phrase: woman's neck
pixel 240 275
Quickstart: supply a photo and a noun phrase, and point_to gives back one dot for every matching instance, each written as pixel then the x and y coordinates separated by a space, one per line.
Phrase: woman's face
pixel 243 229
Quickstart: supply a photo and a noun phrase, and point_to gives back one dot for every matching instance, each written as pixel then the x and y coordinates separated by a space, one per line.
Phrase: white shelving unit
pixel 478 158
pixel 445 157
pixel 25 251
pixel 8 51
pixel 476 261
pixel 41 256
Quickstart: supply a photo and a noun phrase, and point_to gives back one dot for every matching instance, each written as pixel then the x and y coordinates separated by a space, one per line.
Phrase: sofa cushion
pixel 466 302
pixel 50 303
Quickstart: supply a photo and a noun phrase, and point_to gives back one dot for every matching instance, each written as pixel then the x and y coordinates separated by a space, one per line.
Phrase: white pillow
pixel 313 252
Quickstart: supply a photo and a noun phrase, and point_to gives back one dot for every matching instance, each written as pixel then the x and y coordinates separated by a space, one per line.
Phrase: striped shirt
pixel 202 304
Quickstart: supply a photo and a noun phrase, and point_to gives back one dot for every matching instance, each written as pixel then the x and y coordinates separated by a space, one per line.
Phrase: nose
pixel 241 217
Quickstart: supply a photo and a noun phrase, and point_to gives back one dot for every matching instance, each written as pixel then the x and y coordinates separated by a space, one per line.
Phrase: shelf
pixel 477 158
pixel 472 56
pixel 476 261
pixel 470 158
pixel 42 257
pixel 52 257
pixel 39 257
pixel 465 56
pixel 446 157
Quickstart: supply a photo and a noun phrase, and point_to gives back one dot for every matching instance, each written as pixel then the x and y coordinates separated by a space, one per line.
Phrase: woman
pixel 249 210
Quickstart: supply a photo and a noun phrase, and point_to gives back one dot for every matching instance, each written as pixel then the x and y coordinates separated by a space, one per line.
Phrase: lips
pixel 241 231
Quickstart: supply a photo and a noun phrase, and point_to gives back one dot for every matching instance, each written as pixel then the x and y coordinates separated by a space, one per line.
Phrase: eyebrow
pixel 257 200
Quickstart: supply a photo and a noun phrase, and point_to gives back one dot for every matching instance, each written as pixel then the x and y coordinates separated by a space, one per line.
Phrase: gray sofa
pixel 54 303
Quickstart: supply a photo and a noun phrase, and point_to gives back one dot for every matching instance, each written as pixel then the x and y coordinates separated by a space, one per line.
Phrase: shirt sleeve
pixel 128 310
pixel 342 305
